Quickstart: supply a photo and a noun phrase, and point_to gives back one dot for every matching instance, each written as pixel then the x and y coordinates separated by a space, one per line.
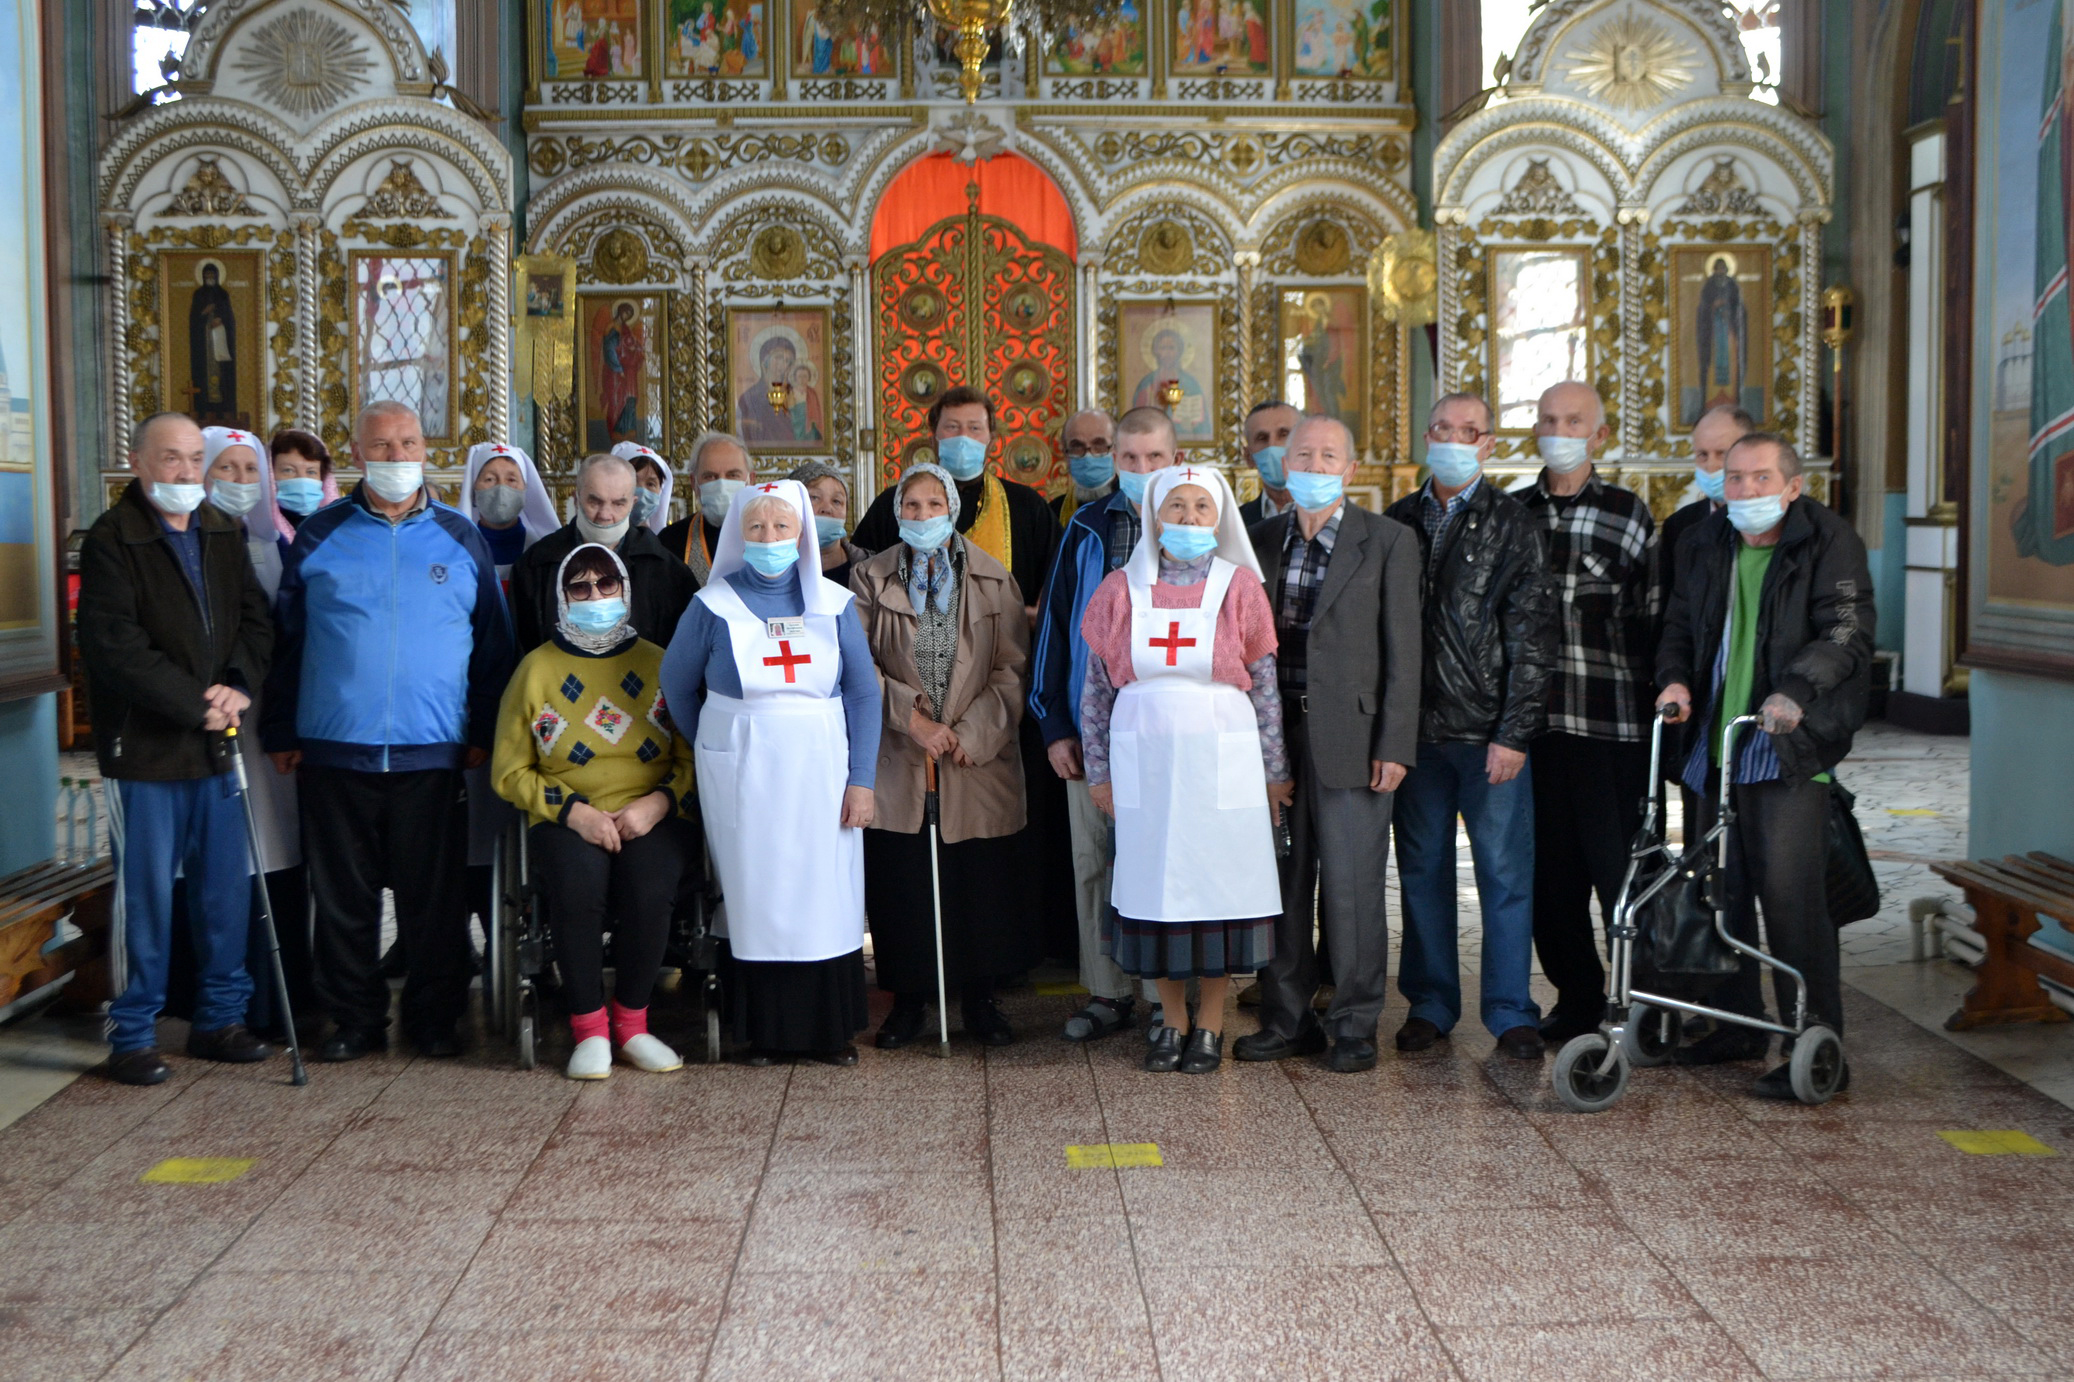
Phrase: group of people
pixel 868 726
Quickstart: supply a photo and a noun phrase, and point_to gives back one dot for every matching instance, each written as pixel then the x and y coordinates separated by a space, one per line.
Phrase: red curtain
pixel 1010 187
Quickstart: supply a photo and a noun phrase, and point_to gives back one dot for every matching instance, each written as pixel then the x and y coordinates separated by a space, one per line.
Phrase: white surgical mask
pixel 1563 454
pixel 1760 515
pixel 233 498
pixel 171 498
pixel 716 495
pixel 395 481
pixel 603 536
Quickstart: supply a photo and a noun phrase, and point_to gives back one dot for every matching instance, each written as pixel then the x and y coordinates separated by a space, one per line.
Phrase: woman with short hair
pixel 303 482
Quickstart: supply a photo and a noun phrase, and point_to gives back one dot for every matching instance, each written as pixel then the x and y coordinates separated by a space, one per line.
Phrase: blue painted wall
pixel 29 746
pixel 1889 561
pixel 2023 761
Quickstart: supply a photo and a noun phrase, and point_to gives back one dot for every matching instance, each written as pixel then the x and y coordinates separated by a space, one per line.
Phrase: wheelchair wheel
pixel 1650 1036
pixel 1579 1082
pixel 1817 1067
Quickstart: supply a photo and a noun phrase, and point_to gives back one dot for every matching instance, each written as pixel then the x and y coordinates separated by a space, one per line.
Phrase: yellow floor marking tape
pixel 1910 811
pixel 1059 990
pixel 199 1170
pixel 1998 1143
pixel 1114 1154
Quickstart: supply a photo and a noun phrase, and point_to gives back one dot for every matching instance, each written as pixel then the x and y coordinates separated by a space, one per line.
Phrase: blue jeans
pixel 197 828
pixel 1451 779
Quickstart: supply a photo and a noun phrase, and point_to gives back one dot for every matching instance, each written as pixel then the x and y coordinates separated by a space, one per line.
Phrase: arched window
pixel 1504 21
pixel 159 30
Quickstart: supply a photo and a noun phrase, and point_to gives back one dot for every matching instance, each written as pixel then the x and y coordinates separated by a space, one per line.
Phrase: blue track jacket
pixel 1058 663
pixel 392 641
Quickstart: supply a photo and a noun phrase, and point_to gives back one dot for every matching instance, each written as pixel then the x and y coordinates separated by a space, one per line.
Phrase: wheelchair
pixel 518 961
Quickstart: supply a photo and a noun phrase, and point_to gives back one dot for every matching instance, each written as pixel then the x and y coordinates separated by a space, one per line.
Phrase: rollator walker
pixel 519 957
pixel 1643 1029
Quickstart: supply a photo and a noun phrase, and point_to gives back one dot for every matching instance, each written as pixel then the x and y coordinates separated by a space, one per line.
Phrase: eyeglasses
pixel 1465 434
pixel 1098 447
pixel 603 588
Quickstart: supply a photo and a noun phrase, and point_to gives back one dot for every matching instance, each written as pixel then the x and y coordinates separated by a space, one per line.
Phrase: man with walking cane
pixel 174 631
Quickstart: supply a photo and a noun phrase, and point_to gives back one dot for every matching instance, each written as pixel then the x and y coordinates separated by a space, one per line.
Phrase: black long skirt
pixel 989 925
pixel 804 1006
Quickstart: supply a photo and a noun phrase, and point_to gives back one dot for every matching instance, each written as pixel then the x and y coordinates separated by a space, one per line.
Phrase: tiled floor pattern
pixel 1441 1217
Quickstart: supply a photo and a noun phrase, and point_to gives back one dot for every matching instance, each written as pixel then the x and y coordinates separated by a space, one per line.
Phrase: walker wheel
pixel 712 1036
pixel 1650 1035
pixel 1817 1067
pixel 527 1056
pixel 1580 1081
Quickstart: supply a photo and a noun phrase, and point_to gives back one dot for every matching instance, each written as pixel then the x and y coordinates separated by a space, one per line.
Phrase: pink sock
pixel 586 1025
pixel 627 1023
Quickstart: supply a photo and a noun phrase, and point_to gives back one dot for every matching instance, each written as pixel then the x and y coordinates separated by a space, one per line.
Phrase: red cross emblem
pixel 1173 643
pixel 789 659
pixel 768 488
pixel 1188 474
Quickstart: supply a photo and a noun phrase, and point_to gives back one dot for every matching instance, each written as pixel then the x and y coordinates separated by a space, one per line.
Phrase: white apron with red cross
pixel 1194 841
pixel 772 767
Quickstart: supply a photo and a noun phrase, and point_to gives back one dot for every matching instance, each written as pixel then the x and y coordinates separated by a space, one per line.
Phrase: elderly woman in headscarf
pixel 241 483
pixel 1181 729
pixel 654 483
pixel 503 495
pixel 830 494
pixel 586 749
pixel 947 629
pixel 770 677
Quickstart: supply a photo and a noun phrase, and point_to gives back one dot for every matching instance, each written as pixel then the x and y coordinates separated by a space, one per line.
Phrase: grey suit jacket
pixel 1365 643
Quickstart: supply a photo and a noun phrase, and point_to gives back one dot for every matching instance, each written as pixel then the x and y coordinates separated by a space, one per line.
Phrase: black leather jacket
pixel 1491 622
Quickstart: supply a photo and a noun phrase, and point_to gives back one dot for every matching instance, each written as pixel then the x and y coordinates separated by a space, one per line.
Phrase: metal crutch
pixel 943 1012
pixel 298 1075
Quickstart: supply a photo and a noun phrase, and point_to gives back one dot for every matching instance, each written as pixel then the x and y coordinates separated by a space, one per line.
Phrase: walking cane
pixel 943 1012
pixel 299 1076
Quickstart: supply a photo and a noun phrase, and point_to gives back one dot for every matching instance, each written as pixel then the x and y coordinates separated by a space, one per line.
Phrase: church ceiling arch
pixel 1323 233
pixel 777 240
pixel 605 192
pixel 1805 168
pixel 252 143
pixel 1477 155
pixel 383 21
pixel 1161 235
pixel 1551 42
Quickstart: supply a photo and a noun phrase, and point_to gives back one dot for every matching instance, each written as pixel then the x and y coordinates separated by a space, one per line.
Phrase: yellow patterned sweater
pixel 573 727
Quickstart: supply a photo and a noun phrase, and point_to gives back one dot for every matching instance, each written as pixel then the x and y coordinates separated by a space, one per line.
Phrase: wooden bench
pixel 32 903
pixel 2008 896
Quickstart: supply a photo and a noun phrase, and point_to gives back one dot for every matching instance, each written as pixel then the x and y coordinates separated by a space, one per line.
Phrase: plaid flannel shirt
pixel 1602 551
pixel 1438 518
pixel 1303 572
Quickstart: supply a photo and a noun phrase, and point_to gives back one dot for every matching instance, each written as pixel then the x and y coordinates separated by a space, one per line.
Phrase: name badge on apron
pixel 785 628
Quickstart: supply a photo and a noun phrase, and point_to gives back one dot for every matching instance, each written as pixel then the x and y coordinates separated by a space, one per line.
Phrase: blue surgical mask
pixel 1453 463
pixel 1132 483
pixel 771 558
pixel 1185 543
pixel 645 501
pixel 927 534
pixel 1315 492
pixel 1563 454
pixel 233 498
pixel 300 495
pixel 1760 515
pixel 597 616
pixel 177 499
pixel 828 531
pixel 1268 461
pixel 963 457
pixel 1712 483
pixel 1093 470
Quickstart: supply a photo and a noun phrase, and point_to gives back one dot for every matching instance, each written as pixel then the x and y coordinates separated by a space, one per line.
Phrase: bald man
pixel 1591 766
pixel 1090 442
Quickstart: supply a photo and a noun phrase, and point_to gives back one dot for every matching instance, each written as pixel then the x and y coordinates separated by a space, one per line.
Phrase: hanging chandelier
pixel 973 21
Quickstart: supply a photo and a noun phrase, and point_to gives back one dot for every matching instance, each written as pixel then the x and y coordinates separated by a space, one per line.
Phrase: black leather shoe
pixel 903 1024
pixel 985 1022
pixel 138 1067
pixel 1265 1045
pixel 1164 1054
pixel 759 1059
pixel 1205 1052
pixel 846 1056
pixel 347 1044
pixel 1351 1055
pixel 233 1045
pixel 1522 1042
pixel 1417 1034
pixel 439 1043
pixel 1560 1028
pixel 1724 1044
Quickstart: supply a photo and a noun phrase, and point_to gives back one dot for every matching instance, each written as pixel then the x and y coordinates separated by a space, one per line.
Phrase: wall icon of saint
pixel 625 355
pixel 777 362
pixel 212 348
pixel 1721 328
pixel 1169 351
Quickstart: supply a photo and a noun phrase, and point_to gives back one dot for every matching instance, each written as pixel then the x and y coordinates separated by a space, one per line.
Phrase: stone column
pixel 496 229
pixel 309 380
pixel 122 413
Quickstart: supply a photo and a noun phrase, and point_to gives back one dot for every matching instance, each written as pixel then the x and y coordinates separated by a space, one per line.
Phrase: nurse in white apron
pixel 1181 729
pixel 240 480
pixel 770 677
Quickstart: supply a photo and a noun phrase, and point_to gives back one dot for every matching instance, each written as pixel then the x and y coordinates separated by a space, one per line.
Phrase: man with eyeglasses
pixel 1268 429
pixel 1090 443
pixel 662 584
pixel 1491 627
pixel 1591 769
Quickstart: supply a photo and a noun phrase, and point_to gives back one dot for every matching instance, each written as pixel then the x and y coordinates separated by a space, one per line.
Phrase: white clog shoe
pixel 591 1060
pixel 644 1052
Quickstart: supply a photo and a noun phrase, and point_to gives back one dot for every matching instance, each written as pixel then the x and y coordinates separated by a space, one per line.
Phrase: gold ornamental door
pixel 975 301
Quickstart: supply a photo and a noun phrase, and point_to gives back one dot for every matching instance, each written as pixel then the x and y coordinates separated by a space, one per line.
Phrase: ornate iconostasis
pixel 1629 211
pixel 307 230
pixel 805 235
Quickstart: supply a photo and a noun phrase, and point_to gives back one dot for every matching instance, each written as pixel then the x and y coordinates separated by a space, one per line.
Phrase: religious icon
pixel 1325 354
pixel 777 372
pixel 543 295
pixel 821 51
pixel 1223 36
pixel 623 360
pixel 1540 306
pixel 211 342
pixel 1721 316
pixel 1344 38
pixel 1112 46
pixel 1165 346
pixel 596 39
pixel 724 38
pixel 403 335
